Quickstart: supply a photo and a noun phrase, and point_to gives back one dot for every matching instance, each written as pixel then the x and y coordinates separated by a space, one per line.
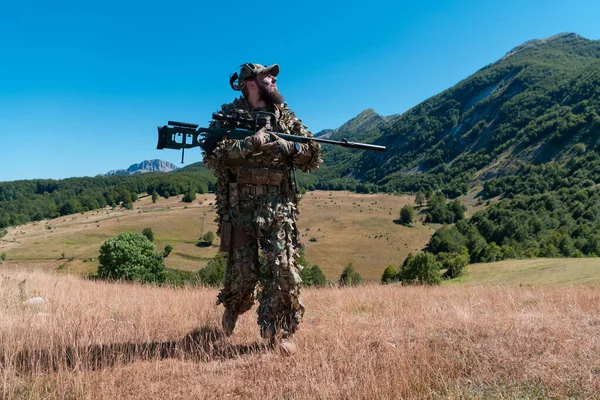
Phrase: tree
pixel 446 240
pixel 350 277
pixel 131 256
pixel 457 209
pixel 168 249
pixel 2 257
pixel 207 239
pixel 407 214
pixel 420 198
pixel 492 253
pixel 421 269
pixel 72 206
pixel 454 263
pixel 189 196
pixel 313 276
pixel 318 277
pixel 436 208
pixel 389 275
pixel 148 233
pixel 214 272
pixel 154 196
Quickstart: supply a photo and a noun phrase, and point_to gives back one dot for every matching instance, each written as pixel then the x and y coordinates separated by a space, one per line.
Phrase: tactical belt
pixel 259 176
pixel 257 190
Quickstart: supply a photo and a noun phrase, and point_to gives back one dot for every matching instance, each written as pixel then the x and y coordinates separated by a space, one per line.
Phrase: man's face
pixel 267 88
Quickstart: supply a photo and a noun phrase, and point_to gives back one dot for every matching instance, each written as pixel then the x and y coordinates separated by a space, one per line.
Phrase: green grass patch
pixel 534 272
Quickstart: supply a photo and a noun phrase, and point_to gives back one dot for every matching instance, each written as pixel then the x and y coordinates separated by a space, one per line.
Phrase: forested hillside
pixel 540 103
pixel 37 199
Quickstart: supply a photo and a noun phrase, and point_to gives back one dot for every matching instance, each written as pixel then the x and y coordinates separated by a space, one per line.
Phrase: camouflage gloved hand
pixel 257 141
pixel 279 147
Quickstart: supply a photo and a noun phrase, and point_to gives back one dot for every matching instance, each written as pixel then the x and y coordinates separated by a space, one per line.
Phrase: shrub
pixel 421 269
pixel 207 239
pixel 454 263
pixel 420 198
pixel 177 277
pixel 189 196
pixel 350 277
pixel 214 272
pixel 130 256
pixel 168 249
pixel 2 257
pixel 149 234
pixel 389 275
pixel 313 276
pixel 447 239
pixel 407 215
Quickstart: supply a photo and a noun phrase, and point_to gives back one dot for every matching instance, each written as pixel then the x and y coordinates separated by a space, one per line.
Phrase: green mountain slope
pixel 532 106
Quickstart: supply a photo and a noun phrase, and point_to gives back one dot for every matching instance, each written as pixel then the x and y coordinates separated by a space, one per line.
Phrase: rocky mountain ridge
pixel 143 167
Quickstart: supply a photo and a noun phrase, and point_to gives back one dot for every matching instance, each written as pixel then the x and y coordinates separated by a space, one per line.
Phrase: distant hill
pixel 533 106
pixel 143 167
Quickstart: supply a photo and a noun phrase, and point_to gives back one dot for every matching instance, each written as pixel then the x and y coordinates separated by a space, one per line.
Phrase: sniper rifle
pixel 183 135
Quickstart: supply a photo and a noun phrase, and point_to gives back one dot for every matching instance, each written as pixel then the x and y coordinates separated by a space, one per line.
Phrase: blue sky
pixel 83 85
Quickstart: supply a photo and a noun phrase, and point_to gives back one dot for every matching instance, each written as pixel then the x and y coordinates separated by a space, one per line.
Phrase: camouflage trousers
pixel 265 223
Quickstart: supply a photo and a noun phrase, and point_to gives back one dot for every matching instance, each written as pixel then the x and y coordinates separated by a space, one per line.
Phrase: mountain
pixel 144 166
pixel 537 104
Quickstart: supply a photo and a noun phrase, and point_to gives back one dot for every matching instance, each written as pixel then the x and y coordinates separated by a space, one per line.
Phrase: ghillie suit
pixel 257 209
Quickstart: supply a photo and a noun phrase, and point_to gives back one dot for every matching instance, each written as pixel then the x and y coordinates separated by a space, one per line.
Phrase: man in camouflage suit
pixel 257 205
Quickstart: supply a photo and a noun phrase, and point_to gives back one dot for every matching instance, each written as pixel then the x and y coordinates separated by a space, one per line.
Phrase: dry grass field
pixel 513 329
pixel 94 340
pixel 358 229
pixel 344 227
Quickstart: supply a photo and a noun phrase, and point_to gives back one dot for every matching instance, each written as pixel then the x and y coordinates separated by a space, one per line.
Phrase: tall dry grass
pixel 97 340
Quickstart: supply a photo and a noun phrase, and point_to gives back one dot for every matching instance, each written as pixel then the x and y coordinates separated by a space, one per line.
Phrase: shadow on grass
pixel 201 345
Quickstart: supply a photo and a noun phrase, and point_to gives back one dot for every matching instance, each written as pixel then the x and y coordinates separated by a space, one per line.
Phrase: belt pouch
pixel 225 236
pixel 274 177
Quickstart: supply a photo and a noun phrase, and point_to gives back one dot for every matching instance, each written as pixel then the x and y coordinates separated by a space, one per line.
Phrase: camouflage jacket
pixel 230 154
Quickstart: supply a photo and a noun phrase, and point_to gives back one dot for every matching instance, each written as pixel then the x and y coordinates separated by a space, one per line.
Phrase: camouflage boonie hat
pixel 250 70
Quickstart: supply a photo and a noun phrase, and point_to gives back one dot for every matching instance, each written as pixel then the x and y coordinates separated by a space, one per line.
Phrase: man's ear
pixel 251 85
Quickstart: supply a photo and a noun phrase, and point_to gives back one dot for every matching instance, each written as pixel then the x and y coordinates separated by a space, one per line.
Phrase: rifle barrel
pixel 343 143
